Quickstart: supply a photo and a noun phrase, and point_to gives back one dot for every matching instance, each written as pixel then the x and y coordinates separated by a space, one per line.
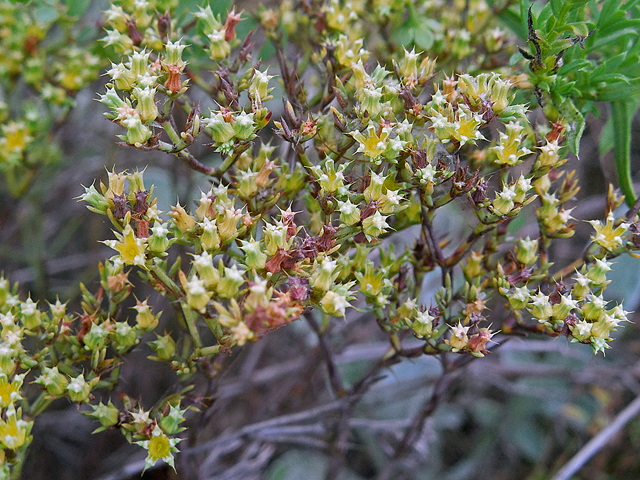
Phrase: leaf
pixel 556 6
pixel 76 7
pixel 575 124
pixel 621 115
pixel 607 141
pixel 513 22
pixel 617 91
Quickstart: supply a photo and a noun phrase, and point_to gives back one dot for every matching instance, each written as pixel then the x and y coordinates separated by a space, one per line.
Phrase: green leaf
pixel 556 6
pixel 607 141
pixel 621 115
pixel 575 124
pixel 580 29
pixel 76 8
pixel 513 22
pixel 617 91
pixel 423 38
pixel 608 7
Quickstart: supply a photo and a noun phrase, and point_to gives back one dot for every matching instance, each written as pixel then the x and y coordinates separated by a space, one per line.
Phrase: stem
pixel 191 325
pixel 334 375
pixel 40 405
pixel 163 279
pixel 190 161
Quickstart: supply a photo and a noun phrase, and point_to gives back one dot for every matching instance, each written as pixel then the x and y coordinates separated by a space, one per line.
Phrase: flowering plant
pixel 374 145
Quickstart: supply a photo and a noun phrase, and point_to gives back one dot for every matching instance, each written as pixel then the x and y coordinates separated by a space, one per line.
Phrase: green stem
pixel 622 137
pixel 191 325
pixel 40 405
pixel 161 276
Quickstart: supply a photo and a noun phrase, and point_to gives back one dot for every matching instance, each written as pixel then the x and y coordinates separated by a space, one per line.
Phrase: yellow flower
pixel 131 249
pixel 15 137
pixel 467 124
pixel 606 235
pixel 160 447
pixel 9 391
pixel 374 144
pixel 14 431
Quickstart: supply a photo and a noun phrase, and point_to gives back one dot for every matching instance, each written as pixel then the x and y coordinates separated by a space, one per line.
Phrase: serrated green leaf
pixel 575 124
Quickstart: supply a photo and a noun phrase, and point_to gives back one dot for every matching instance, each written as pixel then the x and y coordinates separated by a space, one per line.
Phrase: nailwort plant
pixel 393 112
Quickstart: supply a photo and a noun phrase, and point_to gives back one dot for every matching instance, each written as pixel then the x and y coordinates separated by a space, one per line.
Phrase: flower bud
pixel 349 213
pixel 334 304
pixel 323 274
pixel 255 258
pixel 203 265
pixel 97 202
pixel 146 105
pixel 137 132
pixel 230 283
pixel 183 221
pixel 244 126
pixel 526 251
pixel 145 319
pixel 164 348
pixel 375 188
pixel 275 237
pixel 218 128
pixel 594 308
pixel 30 315
pixel 120 42
pixel 78 389
pixel 597 272
pixel 158 241
pixel 210 240
pixel 522 187
pixel 124 336
pixel 473 266
pixel 96 338
pixel 174 53
pixel 140 63
pixel 409 64
pixel 581 331
pixel 422 325
pixel 540 307
pixel 197 295
pixel 549 156
pixel 170 422
pixel 563 309
pixel 53 381
pixel 375 225
pixel 123 78
pixel 107 415
pixel 519 298
pixel 503 203
pixel 228 227
pixel 219 48
pixel 259 86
